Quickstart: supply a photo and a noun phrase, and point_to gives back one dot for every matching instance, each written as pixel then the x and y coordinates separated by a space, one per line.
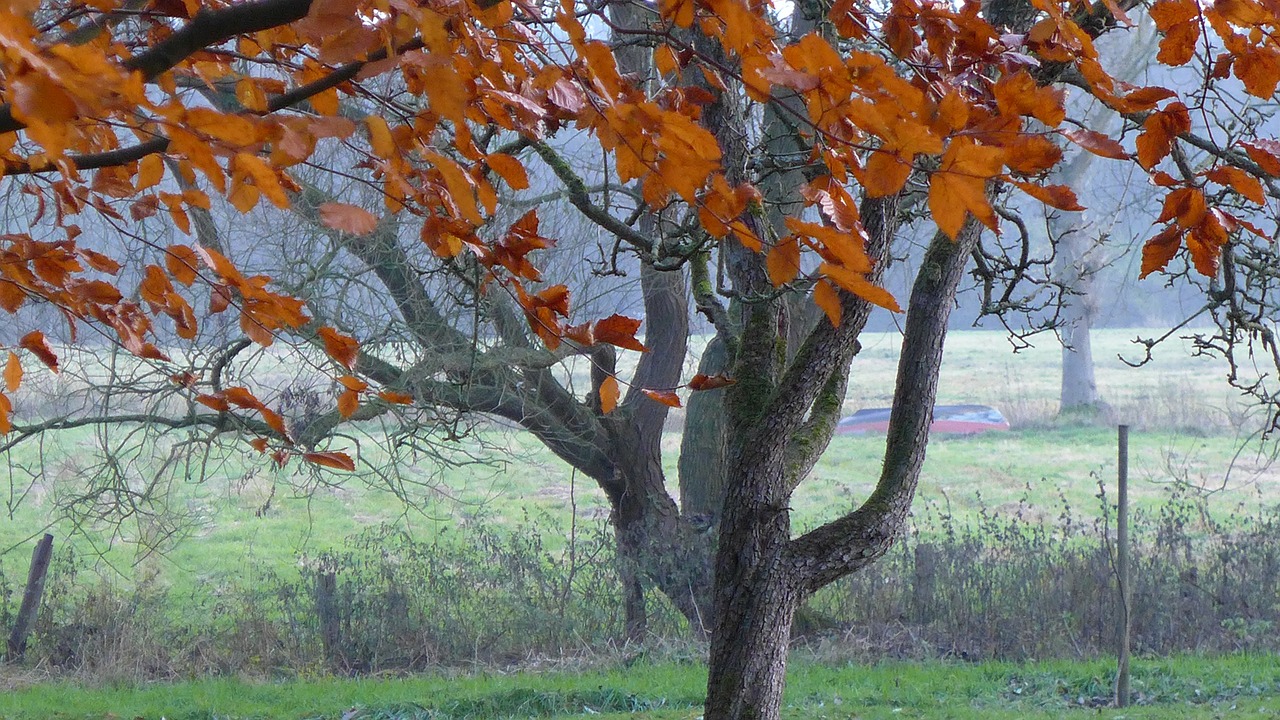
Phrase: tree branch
pixel 857 539
pixel 580 199
pixel 208 27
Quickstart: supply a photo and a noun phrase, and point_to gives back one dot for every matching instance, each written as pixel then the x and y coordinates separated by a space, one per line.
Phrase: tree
pixel 769 164
pixel 1080 247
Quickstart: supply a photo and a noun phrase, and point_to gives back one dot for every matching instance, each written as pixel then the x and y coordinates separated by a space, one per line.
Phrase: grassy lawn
pixel 1238 686
pixel 239 513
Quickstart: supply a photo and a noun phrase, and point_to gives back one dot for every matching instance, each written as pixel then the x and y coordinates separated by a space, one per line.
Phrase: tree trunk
pixel 750 654
pixel 762 575
pixel 654 541
pixel 1076 273
pixel 701 462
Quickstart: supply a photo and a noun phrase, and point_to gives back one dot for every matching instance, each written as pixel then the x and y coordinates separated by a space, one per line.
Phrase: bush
pixel 1006 587
pixel 999 587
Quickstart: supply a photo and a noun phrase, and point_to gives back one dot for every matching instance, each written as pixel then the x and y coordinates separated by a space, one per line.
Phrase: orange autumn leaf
pixel 510 169
pixel 13 372
pixel 150 172
pixel 347 218
pixel 959 186
pixel 1266 153
pixel 182 262
pixel 858 284
pixel 1242 182
pixel 826 298
pixel 37 98
pixel 783 261
pixel 886 173
pixel 348 403
pixel 666 397
pixel 608 394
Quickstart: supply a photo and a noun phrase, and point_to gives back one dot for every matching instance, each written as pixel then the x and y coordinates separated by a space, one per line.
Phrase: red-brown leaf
pixel 6 409
pixel 1160 249
pixel 709 382
pixel 397 398
pixel 35 342
pixel 1097 143
pixel 354 383
pixel 341 348
pixel 1159 132
pixel 334 460
pixel 217 402
pixel 619 330
pixel 1058 196
pixel 242 397
pixel 348 403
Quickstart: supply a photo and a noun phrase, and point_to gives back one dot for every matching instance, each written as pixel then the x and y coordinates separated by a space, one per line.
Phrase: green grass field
pixel 243 517
pixel 243 513
pixel 1229 687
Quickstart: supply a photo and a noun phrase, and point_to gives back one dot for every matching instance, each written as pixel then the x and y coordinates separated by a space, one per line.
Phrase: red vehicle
pixel 958 419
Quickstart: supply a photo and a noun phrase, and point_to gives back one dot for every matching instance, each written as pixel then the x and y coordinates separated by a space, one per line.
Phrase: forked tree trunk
pixel 762 575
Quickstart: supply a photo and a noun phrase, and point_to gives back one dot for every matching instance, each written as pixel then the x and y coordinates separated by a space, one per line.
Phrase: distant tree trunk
pixel 1076 273
pixel 701 462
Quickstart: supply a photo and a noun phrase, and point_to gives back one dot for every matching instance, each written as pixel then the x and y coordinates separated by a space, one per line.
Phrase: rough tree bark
pixel 762 575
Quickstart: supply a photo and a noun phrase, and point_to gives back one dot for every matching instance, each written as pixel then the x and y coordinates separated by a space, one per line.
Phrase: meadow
pixel 500 559
pixel 1190 431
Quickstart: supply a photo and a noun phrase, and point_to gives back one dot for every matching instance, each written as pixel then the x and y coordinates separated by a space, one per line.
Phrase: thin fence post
pixel 1122 569
pixel 327 613
pixel 30 598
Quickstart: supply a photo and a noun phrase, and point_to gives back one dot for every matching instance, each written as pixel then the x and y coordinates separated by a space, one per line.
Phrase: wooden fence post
pixel 327 613
pixel 30 598
pixel 924 582
pixel 1122 569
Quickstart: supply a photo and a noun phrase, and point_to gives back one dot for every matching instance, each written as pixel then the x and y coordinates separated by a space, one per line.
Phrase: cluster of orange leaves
pixel 943 83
